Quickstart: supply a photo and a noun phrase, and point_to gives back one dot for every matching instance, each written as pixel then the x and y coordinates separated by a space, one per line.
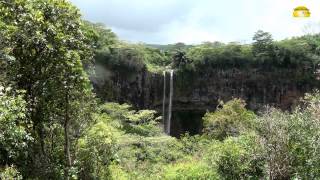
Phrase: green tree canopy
pixel 263 47
pixel 46 41
pixel 230 120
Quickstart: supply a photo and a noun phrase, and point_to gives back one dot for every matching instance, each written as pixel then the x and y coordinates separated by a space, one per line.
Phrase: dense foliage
pixel 53 127
pixel 278 145
pixel 48 50
pixel 230 120
pixel 14 138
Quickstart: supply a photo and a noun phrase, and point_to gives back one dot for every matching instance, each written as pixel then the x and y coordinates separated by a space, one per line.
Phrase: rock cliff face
pixel 198 92
pixel 281 88
pixel 142 89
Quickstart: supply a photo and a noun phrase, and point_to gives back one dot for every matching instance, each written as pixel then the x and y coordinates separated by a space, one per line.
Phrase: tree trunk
pixel 66 137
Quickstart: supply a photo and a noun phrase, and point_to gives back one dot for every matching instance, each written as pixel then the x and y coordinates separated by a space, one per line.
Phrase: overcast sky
pixel 196 21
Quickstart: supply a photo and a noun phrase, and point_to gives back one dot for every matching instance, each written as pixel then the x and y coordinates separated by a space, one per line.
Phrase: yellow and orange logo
pixel 301 11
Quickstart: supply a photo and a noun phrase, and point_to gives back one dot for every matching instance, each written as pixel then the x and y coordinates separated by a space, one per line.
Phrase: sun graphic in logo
pixel 301 11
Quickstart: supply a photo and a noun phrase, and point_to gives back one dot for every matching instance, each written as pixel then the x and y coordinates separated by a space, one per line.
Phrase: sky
pixel 196 21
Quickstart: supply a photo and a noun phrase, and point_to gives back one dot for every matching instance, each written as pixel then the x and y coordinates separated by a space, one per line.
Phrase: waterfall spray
pixel 164 101
pixel 170 103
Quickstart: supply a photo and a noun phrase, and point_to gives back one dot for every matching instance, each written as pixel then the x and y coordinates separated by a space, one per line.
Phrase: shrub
pixel 237 158
pixel 96 149
pixel 10 173
pixel 14 137
pixel 273 129
pixel 117 173
pixel 189 171
pixel 137 149
pixel 142 122
pixel 291 141
pixel 145 157
pixel 193 145
pixel 304 138
pixel 230 120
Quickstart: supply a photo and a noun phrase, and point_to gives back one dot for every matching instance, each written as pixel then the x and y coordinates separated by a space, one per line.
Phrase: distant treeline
pixel 263 52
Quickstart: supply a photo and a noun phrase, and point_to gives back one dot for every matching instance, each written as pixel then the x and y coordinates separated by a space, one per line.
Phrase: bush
pixel 304 138
pixel 10 173
pixel 117 173
pixel 237 158
pixel 291 141
pixel 14 138
pixel 145 157
pixel 137 149
pixel 274 133
pixel 230 120
pixel 96 149
pixel 143 122
pixel 189 171
pixel 194 145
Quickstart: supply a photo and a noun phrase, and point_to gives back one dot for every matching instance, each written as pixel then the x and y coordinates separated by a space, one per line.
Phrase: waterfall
pixel 164 101
pixel 167 121
pixel 170 103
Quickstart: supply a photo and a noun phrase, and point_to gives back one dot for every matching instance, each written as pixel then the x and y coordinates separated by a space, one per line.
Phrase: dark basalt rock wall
pixel 281 88
pixel 196 92
pixel 141 88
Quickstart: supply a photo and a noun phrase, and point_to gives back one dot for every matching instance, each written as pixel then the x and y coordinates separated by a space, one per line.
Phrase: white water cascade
pixel 167 121
pixel 170 101
pixel 164 102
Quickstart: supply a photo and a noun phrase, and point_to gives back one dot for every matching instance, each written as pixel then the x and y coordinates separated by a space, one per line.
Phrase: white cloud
pixel 169 21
